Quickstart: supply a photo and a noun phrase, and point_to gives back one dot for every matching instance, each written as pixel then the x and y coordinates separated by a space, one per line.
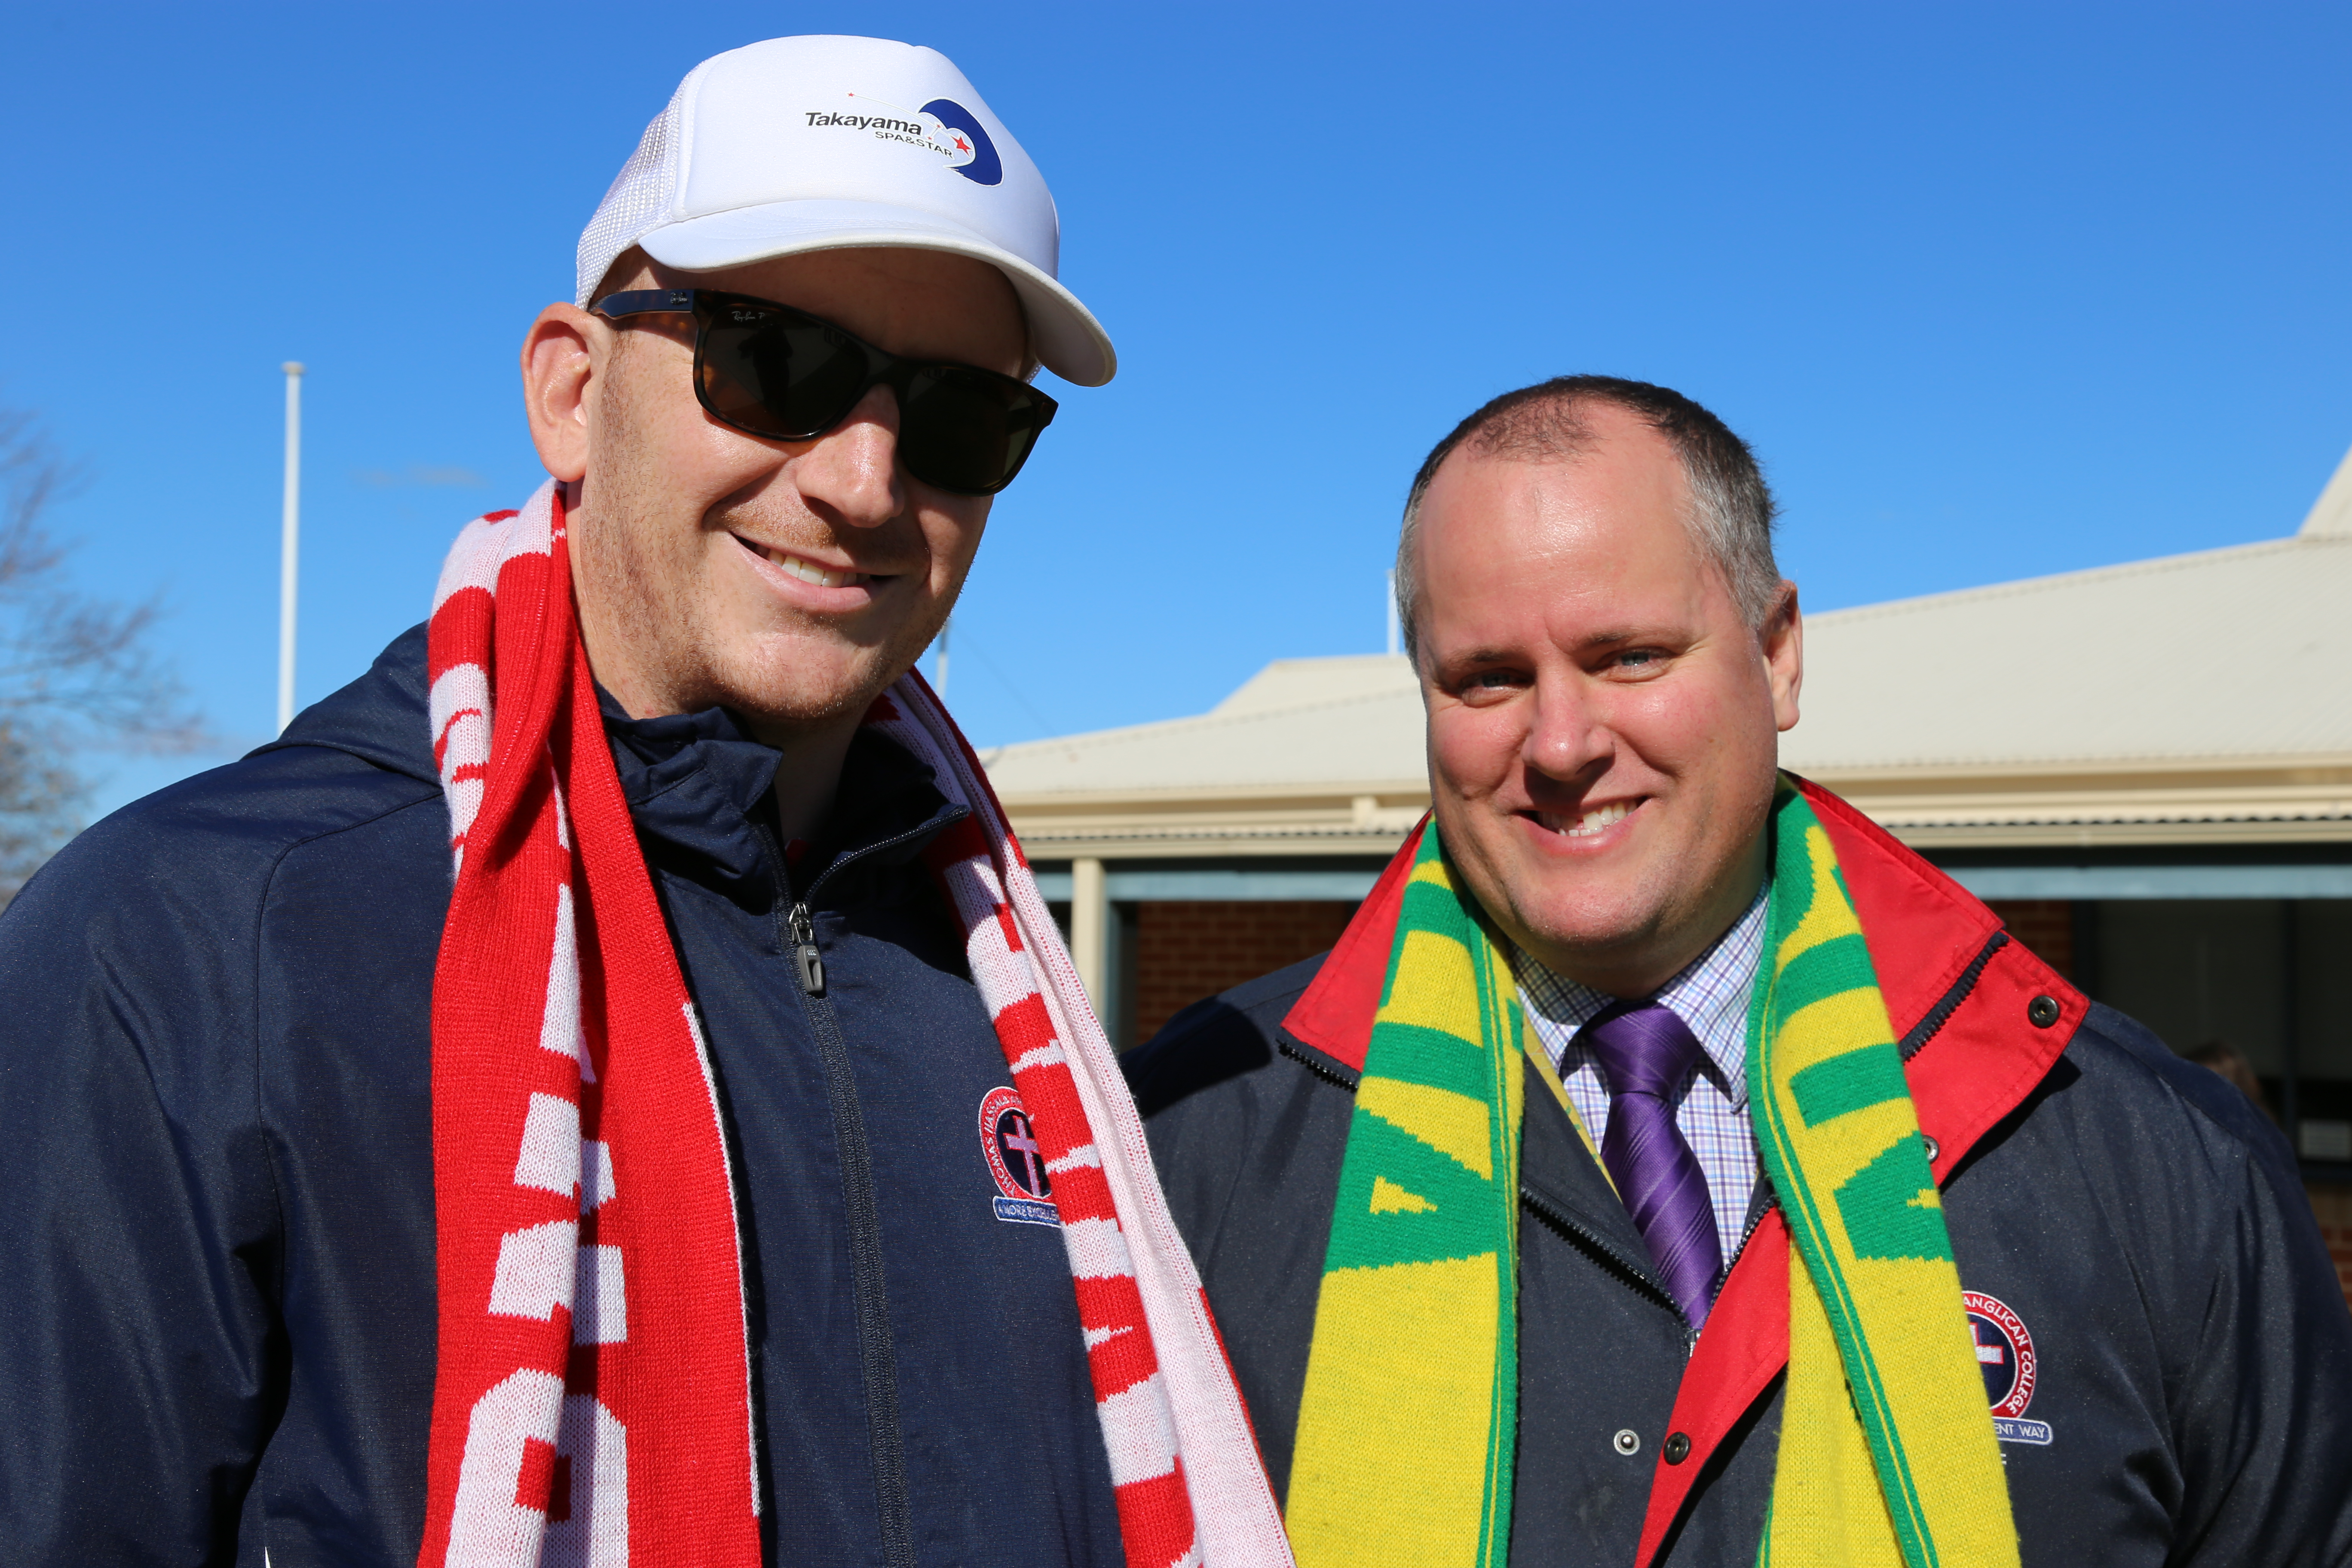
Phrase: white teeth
pixel 1598 820
pixel 809 572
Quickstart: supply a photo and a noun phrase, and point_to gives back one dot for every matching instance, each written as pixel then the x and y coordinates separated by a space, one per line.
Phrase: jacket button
pixel 1933 1149
pixel 1677 1448
pixel 1627 1440
pixel 2041 1012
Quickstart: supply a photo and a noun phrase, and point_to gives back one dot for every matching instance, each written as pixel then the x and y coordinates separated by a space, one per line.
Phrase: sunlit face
pixel 789 580
pixel 1603 723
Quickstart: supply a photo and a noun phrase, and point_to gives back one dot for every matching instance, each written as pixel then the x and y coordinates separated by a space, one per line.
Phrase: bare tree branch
pixel 75 672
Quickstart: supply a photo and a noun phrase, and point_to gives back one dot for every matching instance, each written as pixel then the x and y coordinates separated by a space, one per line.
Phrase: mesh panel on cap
pixel 638 197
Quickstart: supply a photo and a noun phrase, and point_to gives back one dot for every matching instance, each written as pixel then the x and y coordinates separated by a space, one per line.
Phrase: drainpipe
pixel 2291 1020
pixel 1090 926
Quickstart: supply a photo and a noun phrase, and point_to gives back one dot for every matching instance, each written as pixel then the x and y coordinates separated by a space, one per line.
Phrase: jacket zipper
pixel 1635 1274
pixel 1949 1003
pixel 1771 1202
pixel 877 1351
pixel 1327 1073
pixel 811 960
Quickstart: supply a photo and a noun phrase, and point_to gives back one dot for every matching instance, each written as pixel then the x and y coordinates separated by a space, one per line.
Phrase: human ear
pixel 562 356
pixel 1783 641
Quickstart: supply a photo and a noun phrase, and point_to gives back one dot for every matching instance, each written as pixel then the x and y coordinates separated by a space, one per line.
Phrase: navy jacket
pixel 2163 1339
pixel 216 1179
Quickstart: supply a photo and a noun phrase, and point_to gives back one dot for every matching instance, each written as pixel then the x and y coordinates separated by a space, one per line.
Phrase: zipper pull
pixel 812 962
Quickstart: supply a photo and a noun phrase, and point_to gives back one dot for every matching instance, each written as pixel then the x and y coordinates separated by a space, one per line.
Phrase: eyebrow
pixel 1599 639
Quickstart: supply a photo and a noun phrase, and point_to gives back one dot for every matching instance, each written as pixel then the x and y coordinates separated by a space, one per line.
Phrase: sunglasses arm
pixel 645 303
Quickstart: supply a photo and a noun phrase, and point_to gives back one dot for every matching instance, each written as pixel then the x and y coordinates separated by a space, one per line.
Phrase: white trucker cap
pixel 836 143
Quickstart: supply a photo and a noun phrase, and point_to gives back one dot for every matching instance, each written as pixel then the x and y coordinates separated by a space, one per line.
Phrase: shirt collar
pixel 1710 993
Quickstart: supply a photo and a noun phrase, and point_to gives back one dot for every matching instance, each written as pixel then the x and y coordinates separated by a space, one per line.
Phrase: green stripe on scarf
pixel 1886 1403
pixel 1410 1419
pixel 1408 1426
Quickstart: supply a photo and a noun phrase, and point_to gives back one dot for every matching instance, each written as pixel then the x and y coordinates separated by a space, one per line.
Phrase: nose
pixel 851 472
pixel 1568 738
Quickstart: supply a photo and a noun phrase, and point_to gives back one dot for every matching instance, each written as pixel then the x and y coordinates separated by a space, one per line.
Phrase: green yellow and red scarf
pixel 1408 1427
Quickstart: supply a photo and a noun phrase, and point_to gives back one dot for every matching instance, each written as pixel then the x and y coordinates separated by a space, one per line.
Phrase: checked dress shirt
pixel 1711 995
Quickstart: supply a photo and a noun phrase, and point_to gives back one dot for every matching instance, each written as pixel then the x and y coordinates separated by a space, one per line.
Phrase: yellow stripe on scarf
pixel 1409 1421
pixel 1887 1455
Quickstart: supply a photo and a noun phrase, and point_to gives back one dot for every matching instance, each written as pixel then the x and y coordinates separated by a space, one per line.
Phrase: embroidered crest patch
pixel 1024 1191
pixel 2005 1351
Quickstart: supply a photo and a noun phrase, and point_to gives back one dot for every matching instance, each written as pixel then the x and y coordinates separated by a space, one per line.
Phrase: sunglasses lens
pixel 780 376
pixel 967 430
pixel 775 372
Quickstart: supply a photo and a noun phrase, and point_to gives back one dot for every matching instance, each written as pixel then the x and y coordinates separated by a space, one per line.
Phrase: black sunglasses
pixel 771 370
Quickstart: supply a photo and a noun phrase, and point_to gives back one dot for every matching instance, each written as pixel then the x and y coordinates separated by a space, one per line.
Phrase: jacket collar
pixel 697 787
pixel 1333 1018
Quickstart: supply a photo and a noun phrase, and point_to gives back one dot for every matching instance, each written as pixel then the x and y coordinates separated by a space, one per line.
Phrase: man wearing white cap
pixel 603 1087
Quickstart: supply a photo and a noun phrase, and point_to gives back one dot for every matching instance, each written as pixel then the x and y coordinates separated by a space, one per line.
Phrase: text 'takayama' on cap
pixel 835 143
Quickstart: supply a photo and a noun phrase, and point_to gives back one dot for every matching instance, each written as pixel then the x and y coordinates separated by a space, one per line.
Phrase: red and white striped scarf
pixel 592 1403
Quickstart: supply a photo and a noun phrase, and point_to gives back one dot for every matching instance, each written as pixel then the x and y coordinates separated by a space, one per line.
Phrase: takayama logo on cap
pixel 941 126
pixel 975 155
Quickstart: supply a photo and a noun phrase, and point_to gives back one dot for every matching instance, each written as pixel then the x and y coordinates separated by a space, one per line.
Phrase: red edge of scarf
pixel 527 1426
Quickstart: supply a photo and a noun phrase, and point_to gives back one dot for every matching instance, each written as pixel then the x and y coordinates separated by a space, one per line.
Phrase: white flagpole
pixel 939 665
pixel 289 550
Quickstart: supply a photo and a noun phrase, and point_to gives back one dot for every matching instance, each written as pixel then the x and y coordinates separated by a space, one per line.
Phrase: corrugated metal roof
pixel 2228 654
pixel 1314 682
pixel 1298 722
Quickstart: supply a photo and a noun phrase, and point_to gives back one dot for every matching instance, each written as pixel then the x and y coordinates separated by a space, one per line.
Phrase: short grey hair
pixel 1732 510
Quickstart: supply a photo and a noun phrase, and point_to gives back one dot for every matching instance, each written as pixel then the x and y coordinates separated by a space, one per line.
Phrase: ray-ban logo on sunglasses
pixel 941 126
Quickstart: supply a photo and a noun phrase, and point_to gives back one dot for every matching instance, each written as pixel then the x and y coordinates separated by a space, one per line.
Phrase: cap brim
pixel 1069 341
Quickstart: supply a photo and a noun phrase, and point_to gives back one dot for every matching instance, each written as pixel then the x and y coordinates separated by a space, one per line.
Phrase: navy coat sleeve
pixel 2265 1440
pixel 138 1353
pixel 2258 1340
pixel 141 1362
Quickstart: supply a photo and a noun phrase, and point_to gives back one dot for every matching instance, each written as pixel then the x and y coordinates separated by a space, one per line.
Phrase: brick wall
pixel 2333 1204
pixel 2046 927
pixel 1184 952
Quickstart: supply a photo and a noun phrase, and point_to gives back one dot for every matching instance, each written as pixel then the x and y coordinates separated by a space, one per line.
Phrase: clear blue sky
pixel 1996 291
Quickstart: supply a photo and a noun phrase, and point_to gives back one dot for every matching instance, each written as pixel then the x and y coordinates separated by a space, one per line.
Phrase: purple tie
pixel 1648 1054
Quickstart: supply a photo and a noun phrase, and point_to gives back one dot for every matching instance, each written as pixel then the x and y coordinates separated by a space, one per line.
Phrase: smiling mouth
pixel 1585 825
pixel 808 571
